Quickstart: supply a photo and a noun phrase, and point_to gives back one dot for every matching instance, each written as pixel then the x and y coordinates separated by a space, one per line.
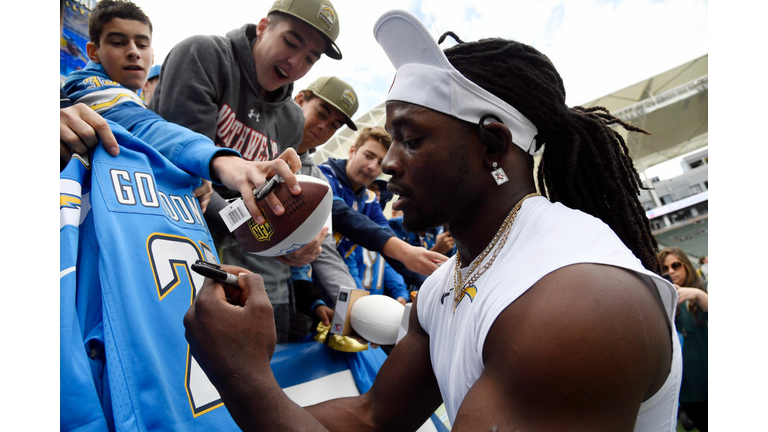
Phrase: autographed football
pixel 305 215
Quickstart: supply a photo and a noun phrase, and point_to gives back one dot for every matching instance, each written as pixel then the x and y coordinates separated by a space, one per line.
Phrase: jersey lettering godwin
pixel 138 188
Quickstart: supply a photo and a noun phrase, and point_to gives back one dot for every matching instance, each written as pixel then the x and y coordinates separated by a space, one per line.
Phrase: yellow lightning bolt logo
pixel 470 292
pixel 70 201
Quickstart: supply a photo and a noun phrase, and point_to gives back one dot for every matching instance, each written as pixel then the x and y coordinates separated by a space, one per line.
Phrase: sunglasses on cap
pixel 675 266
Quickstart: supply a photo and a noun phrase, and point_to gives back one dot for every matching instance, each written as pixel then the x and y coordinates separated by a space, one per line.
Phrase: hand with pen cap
pixel 245 176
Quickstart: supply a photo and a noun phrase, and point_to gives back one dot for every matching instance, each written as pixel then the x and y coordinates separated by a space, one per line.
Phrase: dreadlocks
pixel 585 164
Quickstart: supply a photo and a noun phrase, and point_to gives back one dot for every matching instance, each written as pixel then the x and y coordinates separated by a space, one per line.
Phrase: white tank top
pixel 544 238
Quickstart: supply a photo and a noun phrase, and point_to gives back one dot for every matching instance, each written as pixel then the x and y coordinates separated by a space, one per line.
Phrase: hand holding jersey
pixel 81 129
pixel 203 194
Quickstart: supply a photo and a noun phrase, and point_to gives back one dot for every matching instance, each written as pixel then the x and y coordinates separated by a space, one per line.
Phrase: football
pixel 305 215
pixel 377 318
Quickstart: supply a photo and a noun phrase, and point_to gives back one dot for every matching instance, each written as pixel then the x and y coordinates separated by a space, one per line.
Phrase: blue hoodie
pixel 188 150
pixel 371 231
pixel 357 220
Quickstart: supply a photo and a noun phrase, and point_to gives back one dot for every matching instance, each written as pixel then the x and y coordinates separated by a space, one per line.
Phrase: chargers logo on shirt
pixel 69 201
pixel 470 292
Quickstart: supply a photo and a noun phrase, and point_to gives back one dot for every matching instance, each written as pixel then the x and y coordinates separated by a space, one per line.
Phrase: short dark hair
pixel 107 10
pixel 275 17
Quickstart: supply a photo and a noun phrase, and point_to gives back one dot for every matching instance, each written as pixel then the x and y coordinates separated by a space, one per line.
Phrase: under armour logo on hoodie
pixel 253 114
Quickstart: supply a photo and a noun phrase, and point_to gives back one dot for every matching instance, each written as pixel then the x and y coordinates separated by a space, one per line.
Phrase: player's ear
pixel 93 52
pixel 496 138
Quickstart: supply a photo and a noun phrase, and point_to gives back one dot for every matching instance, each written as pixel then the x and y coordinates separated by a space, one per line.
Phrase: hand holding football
pixel 305 215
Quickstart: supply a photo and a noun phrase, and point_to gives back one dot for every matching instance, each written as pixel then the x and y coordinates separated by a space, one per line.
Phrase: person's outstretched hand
pixel 243 176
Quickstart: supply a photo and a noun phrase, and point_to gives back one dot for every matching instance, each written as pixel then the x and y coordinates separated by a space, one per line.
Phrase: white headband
pixel 425 77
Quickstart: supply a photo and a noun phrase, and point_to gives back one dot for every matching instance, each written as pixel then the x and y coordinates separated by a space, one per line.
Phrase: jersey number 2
pixel 171 257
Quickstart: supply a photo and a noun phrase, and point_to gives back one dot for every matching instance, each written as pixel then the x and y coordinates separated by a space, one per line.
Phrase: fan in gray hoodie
pixel 237 91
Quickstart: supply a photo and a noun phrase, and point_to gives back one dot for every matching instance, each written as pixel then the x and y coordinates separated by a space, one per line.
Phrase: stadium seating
pixel 692 238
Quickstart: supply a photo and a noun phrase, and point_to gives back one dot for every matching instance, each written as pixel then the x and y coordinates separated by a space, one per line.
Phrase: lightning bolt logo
pixel 70 201
pixel 471 292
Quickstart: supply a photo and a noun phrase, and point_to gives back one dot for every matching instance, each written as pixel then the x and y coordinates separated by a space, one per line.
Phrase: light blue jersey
pixel 130 229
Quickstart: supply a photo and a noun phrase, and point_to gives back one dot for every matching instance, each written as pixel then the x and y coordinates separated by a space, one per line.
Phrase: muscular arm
pixel 403 396
pixel 80 129
pixel 581 350
pixel 234 344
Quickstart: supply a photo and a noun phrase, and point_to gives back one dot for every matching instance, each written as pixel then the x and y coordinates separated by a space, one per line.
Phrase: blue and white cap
pixel 425 77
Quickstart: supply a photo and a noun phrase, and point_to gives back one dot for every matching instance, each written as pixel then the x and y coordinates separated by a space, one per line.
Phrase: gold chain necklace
pixel 460 287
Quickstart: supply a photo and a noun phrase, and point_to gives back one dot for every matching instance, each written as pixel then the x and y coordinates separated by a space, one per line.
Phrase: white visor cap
pixel 425 77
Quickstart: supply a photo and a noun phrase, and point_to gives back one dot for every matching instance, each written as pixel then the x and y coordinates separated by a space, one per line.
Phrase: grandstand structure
pixel 673 107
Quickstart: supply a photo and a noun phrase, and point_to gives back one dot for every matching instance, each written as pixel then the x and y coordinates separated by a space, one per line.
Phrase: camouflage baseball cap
pixel 337 93
pixel 320 14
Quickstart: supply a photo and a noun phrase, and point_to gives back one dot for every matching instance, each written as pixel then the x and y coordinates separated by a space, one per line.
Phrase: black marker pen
pixel 214 272
pixel 261 192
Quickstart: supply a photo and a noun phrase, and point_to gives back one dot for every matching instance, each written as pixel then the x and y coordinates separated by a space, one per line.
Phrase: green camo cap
pixel 320 14
pixel 339 94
